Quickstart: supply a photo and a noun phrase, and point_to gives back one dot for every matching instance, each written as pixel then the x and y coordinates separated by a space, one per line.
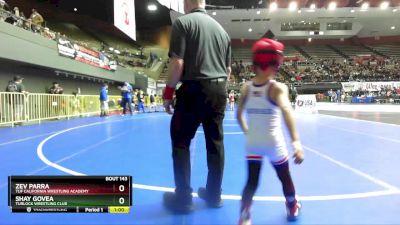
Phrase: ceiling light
pixel 75 9
pixel 214 13
pixel 273 6
pixel 365 6
pixel 258 12
pixel 393 27
pixel 309 39
pixel 384 5
pixel 332 6
pixel 352 11
pixel 292 6
pixel 152 7
pixel 312 6
pixel 250 30
pixel 302 21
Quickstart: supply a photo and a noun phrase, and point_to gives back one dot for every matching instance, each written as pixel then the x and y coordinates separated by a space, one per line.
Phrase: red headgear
pixel 267 52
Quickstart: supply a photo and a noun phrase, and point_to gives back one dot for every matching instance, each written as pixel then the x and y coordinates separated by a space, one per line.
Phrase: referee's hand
pixel 168 106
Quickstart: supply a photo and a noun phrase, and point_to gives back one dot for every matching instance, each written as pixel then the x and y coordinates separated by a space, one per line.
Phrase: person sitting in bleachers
pixel 56 89
pixel 37 21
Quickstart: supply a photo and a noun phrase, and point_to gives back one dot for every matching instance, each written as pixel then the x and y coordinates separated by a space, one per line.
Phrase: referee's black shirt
pixel 203 45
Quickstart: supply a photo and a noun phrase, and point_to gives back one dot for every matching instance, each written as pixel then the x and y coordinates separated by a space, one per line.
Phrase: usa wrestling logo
pixel 257 93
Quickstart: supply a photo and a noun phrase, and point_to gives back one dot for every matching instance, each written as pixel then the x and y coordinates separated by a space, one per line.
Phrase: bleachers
pixel 242 54
pixel 116 43
pixel 245 53
pixel 353 50
pixel 75 33
pixel 321 52
pixel 292 52
pixel 392 51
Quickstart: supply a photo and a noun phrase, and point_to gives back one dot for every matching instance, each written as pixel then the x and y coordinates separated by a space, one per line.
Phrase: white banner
pixel 368 86
pixel 161 85
pixel 306 104
pixel 176 5
pixel 349 86
pixel 124 17
pixel 151 83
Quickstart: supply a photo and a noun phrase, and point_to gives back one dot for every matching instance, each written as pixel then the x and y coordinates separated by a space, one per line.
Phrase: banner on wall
pixel 151 83
pixel 368 86
pixel 83 54
pixel 306 104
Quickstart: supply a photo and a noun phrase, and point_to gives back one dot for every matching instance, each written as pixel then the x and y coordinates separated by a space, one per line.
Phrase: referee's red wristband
pixel 168 93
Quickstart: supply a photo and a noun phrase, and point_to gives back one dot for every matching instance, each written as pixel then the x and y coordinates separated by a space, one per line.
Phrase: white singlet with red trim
pixel 264 118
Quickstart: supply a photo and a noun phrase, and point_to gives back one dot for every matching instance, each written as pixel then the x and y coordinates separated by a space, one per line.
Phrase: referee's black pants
pixel 199 102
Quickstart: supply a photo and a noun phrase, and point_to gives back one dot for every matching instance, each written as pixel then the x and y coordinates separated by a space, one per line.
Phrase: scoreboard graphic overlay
pixel 70 194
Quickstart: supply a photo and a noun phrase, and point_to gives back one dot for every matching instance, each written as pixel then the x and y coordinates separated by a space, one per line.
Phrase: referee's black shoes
pixel 178 205
pixel 212 201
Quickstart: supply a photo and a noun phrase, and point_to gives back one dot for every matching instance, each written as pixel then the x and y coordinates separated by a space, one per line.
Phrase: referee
pixel 200 57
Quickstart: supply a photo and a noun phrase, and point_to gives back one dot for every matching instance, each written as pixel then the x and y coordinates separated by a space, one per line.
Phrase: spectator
pixel 16 12
pixel 2 4
pixel 140 98
pixel 135 99
pixel 231 100
pixel 3 8
pixel 48 34
pixel 104 100
pixel 28 24
pixel 18 21
pixel 153 103
pixel 241 67
pixel 16 85
pixel 293 95
pixel 338 95
pixel 76 104
pixel 126 92
pixel 334 96
pixel 330 93
pixel 56 89
pixel 37 20
pixel 17 100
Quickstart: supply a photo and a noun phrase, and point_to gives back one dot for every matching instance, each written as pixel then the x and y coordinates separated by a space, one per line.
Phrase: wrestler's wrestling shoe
pixel 293 212
pixel 245 218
